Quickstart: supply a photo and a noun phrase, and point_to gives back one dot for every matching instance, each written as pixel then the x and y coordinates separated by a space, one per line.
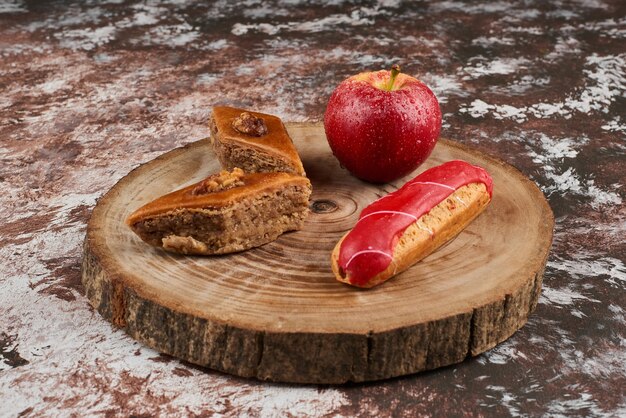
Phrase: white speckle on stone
pixel 545 110
pixel 146 14
pixel 564 46
pixel 74 17
pixel 218 44
pixel 609 76
pixel 208 78
pixel 143 18
pixel 554 150
pixel 241 29
pixel 583 265
pixel 68 202
pixel 618 314
pixel 13 6
pixel 502 353
pixel 390 4
pixel 244 70
pixel 104 58
pixel 86 39
pixel 606 81
pixel 172 35
pixel 364 60
pixel 487 42
pixel 615 125
pixel 584 405
pixel 592 4
pixel 477 108
pixel 360 17
pixel 5 102
pixel 18 49
pixel 529 14
pixel 530 30
pixel 53 86
pixel 568 182
pixel 509 112
pixel 488 7
pixel 263 11
pixel 562 297
pixel 562 14
pixel 444 86
pixel 498 66
pixel 505 398
pixel 194 106
pixel 299 401
pixel 605 25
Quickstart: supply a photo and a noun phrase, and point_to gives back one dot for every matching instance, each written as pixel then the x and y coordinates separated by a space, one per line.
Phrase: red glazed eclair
pixel 403 227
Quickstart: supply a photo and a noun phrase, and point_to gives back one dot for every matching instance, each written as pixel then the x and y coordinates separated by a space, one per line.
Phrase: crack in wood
pixel 472 334
pixel 118 308
pixel 261 351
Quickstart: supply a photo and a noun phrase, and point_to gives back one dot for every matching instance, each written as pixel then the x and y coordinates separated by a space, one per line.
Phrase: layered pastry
pixel 403 227
pixel 252 141
pixel 226 212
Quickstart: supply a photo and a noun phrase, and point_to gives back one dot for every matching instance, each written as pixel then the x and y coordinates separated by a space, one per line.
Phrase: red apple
pixel 382 125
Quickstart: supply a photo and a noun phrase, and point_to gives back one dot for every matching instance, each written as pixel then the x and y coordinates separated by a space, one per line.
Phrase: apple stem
pixel 395 70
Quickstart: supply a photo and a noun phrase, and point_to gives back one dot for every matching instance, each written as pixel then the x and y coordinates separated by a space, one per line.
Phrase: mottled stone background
pixel 91 89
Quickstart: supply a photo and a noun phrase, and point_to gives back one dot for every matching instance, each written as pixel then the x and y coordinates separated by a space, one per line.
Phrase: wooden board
pixel 277 313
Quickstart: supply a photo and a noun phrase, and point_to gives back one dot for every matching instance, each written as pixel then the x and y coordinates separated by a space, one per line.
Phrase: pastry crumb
pixel 184 245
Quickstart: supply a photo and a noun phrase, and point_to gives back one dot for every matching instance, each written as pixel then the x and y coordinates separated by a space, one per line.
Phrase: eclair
pixel 403 227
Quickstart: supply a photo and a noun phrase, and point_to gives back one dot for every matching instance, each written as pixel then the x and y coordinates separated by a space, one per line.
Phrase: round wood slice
pixel 277 313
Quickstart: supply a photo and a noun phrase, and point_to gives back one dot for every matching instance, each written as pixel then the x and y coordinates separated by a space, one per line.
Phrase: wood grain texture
pixel 276 312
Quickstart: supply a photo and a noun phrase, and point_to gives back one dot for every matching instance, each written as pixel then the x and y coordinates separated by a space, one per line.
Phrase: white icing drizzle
pixel 434 184
pixel 393 212
pixel 365 252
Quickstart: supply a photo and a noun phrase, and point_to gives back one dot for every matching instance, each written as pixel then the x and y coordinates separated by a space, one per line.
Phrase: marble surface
pixel 91 89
